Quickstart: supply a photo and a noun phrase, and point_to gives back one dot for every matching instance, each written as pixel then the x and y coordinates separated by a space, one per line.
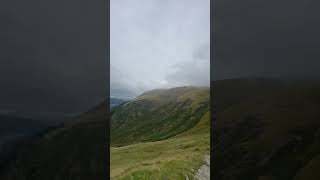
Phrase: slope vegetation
pixel 162 134
pixel 158 115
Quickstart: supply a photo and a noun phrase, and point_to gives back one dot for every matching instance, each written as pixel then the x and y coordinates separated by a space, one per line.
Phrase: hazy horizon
pixel 128 98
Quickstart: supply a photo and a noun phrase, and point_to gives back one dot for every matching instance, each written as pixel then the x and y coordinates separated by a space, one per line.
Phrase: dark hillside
pixel 74 151
pixel 271 133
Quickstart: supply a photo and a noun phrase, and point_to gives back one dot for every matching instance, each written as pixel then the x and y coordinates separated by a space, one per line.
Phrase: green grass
pixel 158 115
pixel 173 158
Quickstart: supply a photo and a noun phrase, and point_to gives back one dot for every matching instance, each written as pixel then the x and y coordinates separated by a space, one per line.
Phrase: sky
pixel 158 44
pixel 53 56
pixel 278 39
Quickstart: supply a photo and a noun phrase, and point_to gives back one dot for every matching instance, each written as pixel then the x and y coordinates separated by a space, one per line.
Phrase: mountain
pixel 18 125
pixel 158 114
pixel 161 134
pixel 266 129
pixel 115 102
pixel 74 150
pixel 12 127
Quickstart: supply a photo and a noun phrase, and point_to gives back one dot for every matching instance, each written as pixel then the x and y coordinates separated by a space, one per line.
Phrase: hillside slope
pixel 75 150
pixel 163 134
pixel 174 158
pixel 271 134
pixel 158 115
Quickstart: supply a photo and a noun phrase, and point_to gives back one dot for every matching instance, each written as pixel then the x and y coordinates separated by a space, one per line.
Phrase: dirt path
pixel 204 171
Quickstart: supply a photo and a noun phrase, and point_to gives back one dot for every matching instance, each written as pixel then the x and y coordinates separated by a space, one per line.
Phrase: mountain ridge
pixel 157 115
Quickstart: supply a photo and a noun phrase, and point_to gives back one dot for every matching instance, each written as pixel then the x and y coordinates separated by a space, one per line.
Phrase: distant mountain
pixel 266 129
pixel 12 127
pixel 19 125
pixel 115 102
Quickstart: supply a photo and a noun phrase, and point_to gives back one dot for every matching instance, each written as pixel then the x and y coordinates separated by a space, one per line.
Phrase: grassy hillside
pixel 158 115
pixel 163 134
pixel 270 134
pixel 75 150
pixel 173 158
pixel 171 144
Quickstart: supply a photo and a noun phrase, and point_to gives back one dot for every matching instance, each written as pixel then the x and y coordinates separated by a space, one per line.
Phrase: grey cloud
pixel 193 72
pixel 120 85
pixel 153 40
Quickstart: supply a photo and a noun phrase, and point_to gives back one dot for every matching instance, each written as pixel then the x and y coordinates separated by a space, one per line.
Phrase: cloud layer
pixel 158 44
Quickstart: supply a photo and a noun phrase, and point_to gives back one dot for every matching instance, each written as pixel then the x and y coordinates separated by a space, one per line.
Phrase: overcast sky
pixel 53 55
pixel 158 44
pixel 273 38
